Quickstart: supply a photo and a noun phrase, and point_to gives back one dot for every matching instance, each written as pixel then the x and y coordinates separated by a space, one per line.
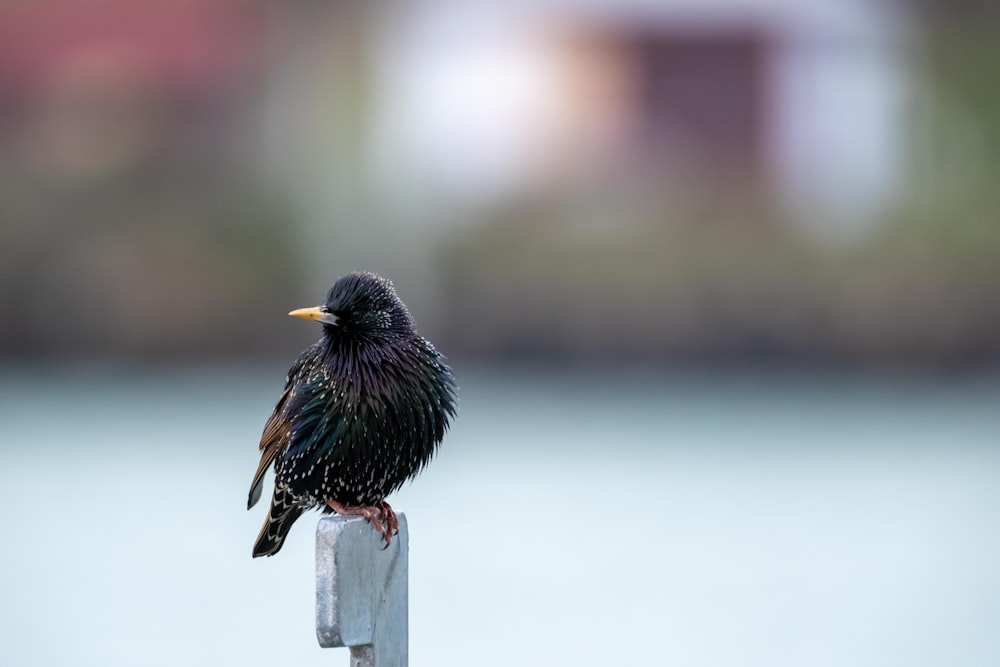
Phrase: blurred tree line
pixel 137 225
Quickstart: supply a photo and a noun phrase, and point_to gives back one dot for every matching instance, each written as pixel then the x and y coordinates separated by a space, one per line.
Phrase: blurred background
pixel 719 280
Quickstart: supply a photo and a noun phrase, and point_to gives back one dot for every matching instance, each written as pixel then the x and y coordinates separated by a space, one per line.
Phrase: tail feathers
pixel 283 513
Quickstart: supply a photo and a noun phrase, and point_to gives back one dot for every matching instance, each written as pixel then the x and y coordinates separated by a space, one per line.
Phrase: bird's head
pixel 364 304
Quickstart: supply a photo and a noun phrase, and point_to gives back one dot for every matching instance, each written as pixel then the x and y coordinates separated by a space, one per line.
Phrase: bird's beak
pixel 315 313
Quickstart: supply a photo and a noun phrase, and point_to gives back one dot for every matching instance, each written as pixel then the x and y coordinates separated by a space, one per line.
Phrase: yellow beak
pixel 313 313
pixel 316 314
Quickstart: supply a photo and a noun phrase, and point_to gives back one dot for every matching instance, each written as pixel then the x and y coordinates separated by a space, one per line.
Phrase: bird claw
pixel 390 522
pixel 380 515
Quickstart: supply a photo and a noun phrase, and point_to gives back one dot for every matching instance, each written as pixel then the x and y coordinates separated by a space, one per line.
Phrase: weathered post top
pixel 361 591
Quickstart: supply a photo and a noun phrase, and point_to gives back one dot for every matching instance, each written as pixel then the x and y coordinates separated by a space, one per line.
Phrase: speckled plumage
pixel 363 410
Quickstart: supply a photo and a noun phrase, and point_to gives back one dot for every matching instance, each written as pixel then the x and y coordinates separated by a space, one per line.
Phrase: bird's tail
pixel 283 513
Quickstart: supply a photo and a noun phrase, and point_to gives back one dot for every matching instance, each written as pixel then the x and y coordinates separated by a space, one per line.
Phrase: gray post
pixel 361 591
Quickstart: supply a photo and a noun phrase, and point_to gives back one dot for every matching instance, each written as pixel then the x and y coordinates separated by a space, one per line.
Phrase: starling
pixel 363 410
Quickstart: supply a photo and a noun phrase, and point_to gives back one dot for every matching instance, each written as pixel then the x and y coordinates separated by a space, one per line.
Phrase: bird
pixel 363 410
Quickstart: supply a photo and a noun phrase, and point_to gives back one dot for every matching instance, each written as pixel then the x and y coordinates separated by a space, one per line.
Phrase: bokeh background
pixel 719 279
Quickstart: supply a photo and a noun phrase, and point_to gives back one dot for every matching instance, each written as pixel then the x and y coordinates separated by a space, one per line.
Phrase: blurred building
pixel 484 102
pixel 127 180
pixel 585 178
pixel 532 157
pixel 96 87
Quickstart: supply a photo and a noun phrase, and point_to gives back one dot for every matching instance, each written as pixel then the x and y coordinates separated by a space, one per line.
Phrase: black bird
pixel 364 409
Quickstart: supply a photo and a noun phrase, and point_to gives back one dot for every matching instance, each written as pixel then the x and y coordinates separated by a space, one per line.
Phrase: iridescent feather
pixel 363 410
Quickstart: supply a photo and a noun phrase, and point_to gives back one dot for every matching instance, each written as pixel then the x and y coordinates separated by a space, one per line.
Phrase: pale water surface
pixel 727 519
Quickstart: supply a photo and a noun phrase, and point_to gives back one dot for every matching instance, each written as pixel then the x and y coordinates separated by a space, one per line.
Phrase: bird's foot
pixel 380 516
pixel 392 523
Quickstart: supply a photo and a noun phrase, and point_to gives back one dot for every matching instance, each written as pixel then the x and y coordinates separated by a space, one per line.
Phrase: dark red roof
pixel 178 47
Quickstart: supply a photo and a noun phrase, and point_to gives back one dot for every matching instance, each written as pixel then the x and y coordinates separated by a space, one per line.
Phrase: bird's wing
pixel 276 433
pixel 278 428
